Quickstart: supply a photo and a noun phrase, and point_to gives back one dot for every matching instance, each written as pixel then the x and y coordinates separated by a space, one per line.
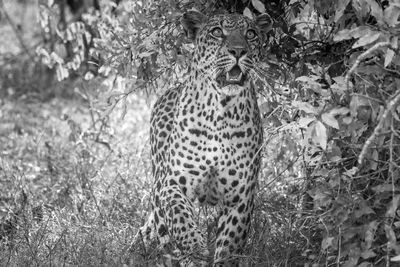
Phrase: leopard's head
pixel 227 47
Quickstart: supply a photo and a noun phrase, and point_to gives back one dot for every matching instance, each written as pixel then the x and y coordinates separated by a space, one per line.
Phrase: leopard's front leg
pixel 233 228
pixel 179 218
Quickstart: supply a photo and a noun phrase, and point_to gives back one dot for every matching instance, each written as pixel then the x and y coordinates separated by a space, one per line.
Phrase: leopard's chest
pixel 212 132
pixel 213 145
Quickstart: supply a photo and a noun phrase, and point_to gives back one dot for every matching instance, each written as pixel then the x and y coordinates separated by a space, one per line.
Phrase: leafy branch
pixel 389 108
pixel 360 58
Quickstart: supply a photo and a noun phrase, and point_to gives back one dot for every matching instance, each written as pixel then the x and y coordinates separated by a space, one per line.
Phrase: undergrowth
pixel 75 193
pixel 66 198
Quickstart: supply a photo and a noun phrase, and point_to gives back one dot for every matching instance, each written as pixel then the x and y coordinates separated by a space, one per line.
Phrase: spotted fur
pixel 206 136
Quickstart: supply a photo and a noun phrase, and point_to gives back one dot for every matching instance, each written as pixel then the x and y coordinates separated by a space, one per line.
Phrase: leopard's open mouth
pixel 233 76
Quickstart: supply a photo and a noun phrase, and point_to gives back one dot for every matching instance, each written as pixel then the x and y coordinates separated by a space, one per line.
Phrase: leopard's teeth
pixel 237 79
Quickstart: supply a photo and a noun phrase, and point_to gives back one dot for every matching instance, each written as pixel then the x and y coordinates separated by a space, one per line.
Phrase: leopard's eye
pixel 251 34
pixel 217 32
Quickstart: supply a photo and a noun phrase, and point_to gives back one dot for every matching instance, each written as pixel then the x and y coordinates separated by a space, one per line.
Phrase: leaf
pixel 352 33
pixel 305 121
pixel 56 58
pixel 394 42
pixel 395 258
pixel 339 86
pixel 330 120
pixel 376 10
pixel 329 117
pixel 391 237
pixel 340 9
pixel 321 196
pixel 304 106
pixel 361 8
pixel 369 232
pixel 62 73
pixel 339 111
pixel 342 35
pixel 363 209
pixel 388 57
pixel 391 15
pixel 356 102
pixel 327 242
pixel 247 13
pixel 347 120
pixel 351 172
pixel 367 39
pixel 89 75
pixel 382 188
pixel 105 70
pixel 394 204
pixel 373 165
pixel 307 80
pixel 265 107
pixel 124 108
pixel 146 54
pixel 257 4
pixel 319 135
pixel 365 263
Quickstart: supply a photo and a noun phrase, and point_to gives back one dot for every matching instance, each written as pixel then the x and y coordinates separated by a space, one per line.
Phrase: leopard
pixel 205 139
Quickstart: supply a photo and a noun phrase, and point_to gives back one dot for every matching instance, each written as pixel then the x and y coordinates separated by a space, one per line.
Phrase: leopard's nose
pixel 237 52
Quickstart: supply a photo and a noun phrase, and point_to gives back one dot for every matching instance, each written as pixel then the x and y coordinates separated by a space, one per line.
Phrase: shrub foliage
pixel 329 93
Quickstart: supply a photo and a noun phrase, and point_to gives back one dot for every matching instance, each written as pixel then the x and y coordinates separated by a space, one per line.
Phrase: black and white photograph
pixel 208 133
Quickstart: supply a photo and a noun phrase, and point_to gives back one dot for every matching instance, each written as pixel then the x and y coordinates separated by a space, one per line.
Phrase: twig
pixel 369 98
pixel 361 58
pixel 394 72
pixel 15 29
pixel 379 127
pixel 339 247
pixel 391 173
pixel 90 103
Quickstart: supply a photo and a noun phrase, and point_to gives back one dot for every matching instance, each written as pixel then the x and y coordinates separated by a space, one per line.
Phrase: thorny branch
pixel 361 58
pixel 379 127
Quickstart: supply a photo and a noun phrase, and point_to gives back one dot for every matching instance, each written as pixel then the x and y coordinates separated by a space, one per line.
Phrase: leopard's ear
pixel 192 22
pixel 264 22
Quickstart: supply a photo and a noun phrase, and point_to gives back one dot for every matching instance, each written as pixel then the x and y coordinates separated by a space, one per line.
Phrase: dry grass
pixel 70 200
pixel 66 199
